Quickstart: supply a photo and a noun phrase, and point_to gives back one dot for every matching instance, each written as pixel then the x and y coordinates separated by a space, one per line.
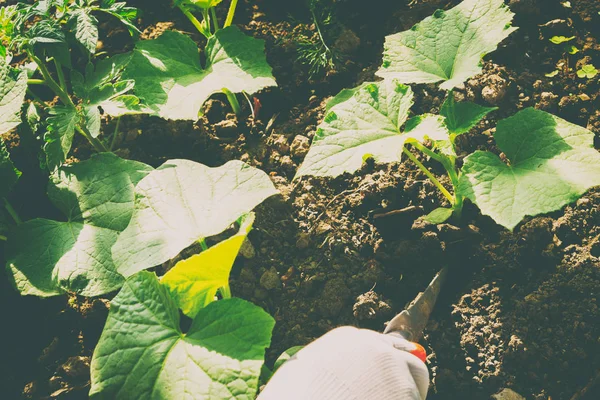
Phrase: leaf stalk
pixel 429 175
pixel 11 211
pixel 230 13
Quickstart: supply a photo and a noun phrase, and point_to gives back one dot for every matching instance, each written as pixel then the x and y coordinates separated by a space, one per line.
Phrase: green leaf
pixel 204 4
pixel 552 74
pixel 59 138
pixel 47 38
pixel 47 257
pixel 182 202
pixel 142 353
pixel 85 28
pixel 119 10
pixel 552 163
pixel 13 86
pixel 170 79
pixel 9 175
pixel 587 71
pixel 438 216
pixel 103 88
pixel 193 283
pixel 368 123
pixel 461 117
pixel 561 39
pixel 447 46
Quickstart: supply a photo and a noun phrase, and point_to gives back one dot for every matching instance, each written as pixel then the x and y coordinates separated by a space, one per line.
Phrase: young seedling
pixel 567 49
pixel 552 162
pixel 49 33
pixel 587 71
pixel 250 71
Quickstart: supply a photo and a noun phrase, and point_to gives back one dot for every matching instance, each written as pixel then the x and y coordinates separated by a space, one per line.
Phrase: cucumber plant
pixel 551 161
pixel 171 78
pixel 51 34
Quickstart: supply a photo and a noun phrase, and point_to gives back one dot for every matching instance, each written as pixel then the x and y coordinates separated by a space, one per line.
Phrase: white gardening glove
pixel 351 364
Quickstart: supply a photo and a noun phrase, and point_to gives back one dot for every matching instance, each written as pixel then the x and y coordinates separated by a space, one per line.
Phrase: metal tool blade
pixel 411 322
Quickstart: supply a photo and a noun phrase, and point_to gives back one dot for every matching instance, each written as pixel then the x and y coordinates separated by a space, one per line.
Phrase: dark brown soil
pixel 520 310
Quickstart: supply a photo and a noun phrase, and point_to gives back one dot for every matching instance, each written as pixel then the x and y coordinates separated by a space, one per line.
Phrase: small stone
pixel 507 394
pixel 76 367
pixel 495 90
pixel 280 143
pixel 300 146
pixel 226 128
pixel 334 297
pixel 247 250
pixel 270 279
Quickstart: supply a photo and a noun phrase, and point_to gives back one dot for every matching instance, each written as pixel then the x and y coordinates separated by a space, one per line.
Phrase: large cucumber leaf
pixel 193 283
pixel 47 258
pixel 142 353
pixel 449 45
pixel 182 202
pixel 13 86
pixel 367 122
pixel 551 163
pixel 170 79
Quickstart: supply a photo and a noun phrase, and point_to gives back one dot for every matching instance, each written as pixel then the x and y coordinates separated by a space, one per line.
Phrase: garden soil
pixel 520 309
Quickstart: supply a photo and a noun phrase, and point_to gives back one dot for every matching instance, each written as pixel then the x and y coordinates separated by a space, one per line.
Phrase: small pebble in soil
pixel 369 306
pixel 270 279
pixel 280 143
pixel 226 128
pixel 247 250
pixel 495 90
pixel 334 297
pixel 300 146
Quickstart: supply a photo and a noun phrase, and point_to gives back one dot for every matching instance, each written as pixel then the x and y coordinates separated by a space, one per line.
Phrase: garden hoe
pixel 410 323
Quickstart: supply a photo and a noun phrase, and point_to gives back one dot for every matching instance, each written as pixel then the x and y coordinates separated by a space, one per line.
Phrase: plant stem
pixel 213 17
pixel 98 145
pixel 12 212
pixel 36 82
pixel 429 175
pixel 203 244
pixel 225 292
pixel 64 97
pixel 193 20
pixel 230 13
pixel 37 99
pixel 316 21
pixel 61 76
pixel 428 152
pixel 233 101
pixel 115 134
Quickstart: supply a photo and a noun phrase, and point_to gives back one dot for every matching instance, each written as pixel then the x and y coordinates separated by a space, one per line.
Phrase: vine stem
pixel 115 134
pixel 433 179
pixel 225 292
pixel 235 104
pixel 215 21
pixel 37 99
pixel 193 20
pixel 203 244
pixel 36 82
pixel 64 97
pixel 230 13
pixel 61 76
pixel 98 145
pixel 12 212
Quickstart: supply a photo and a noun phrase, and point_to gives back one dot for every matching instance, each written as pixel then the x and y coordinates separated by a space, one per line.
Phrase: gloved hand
pixel 351 364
